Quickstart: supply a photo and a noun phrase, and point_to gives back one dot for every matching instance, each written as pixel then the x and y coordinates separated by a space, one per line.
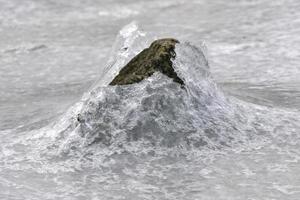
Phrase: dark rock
pixel 157 58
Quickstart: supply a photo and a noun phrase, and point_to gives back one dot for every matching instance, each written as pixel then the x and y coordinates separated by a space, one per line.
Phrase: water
pixel 232 133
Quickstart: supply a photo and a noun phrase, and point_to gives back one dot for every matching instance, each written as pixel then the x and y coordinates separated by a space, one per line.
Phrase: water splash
pixel 156 112
pixel 154 136
pixel 155 115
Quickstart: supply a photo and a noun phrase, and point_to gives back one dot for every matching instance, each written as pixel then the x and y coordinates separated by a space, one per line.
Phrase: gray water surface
pixel 51 52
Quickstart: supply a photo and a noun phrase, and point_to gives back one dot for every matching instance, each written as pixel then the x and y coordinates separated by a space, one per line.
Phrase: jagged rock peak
pixel 156 58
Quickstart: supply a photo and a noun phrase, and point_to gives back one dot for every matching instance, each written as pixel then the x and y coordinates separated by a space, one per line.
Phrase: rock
pixel 156 58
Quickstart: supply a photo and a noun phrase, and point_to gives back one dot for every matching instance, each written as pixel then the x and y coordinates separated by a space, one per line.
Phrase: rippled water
pixel 231 133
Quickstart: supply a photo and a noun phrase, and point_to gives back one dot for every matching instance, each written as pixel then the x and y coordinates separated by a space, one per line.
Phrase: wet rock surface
pixel 156 58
